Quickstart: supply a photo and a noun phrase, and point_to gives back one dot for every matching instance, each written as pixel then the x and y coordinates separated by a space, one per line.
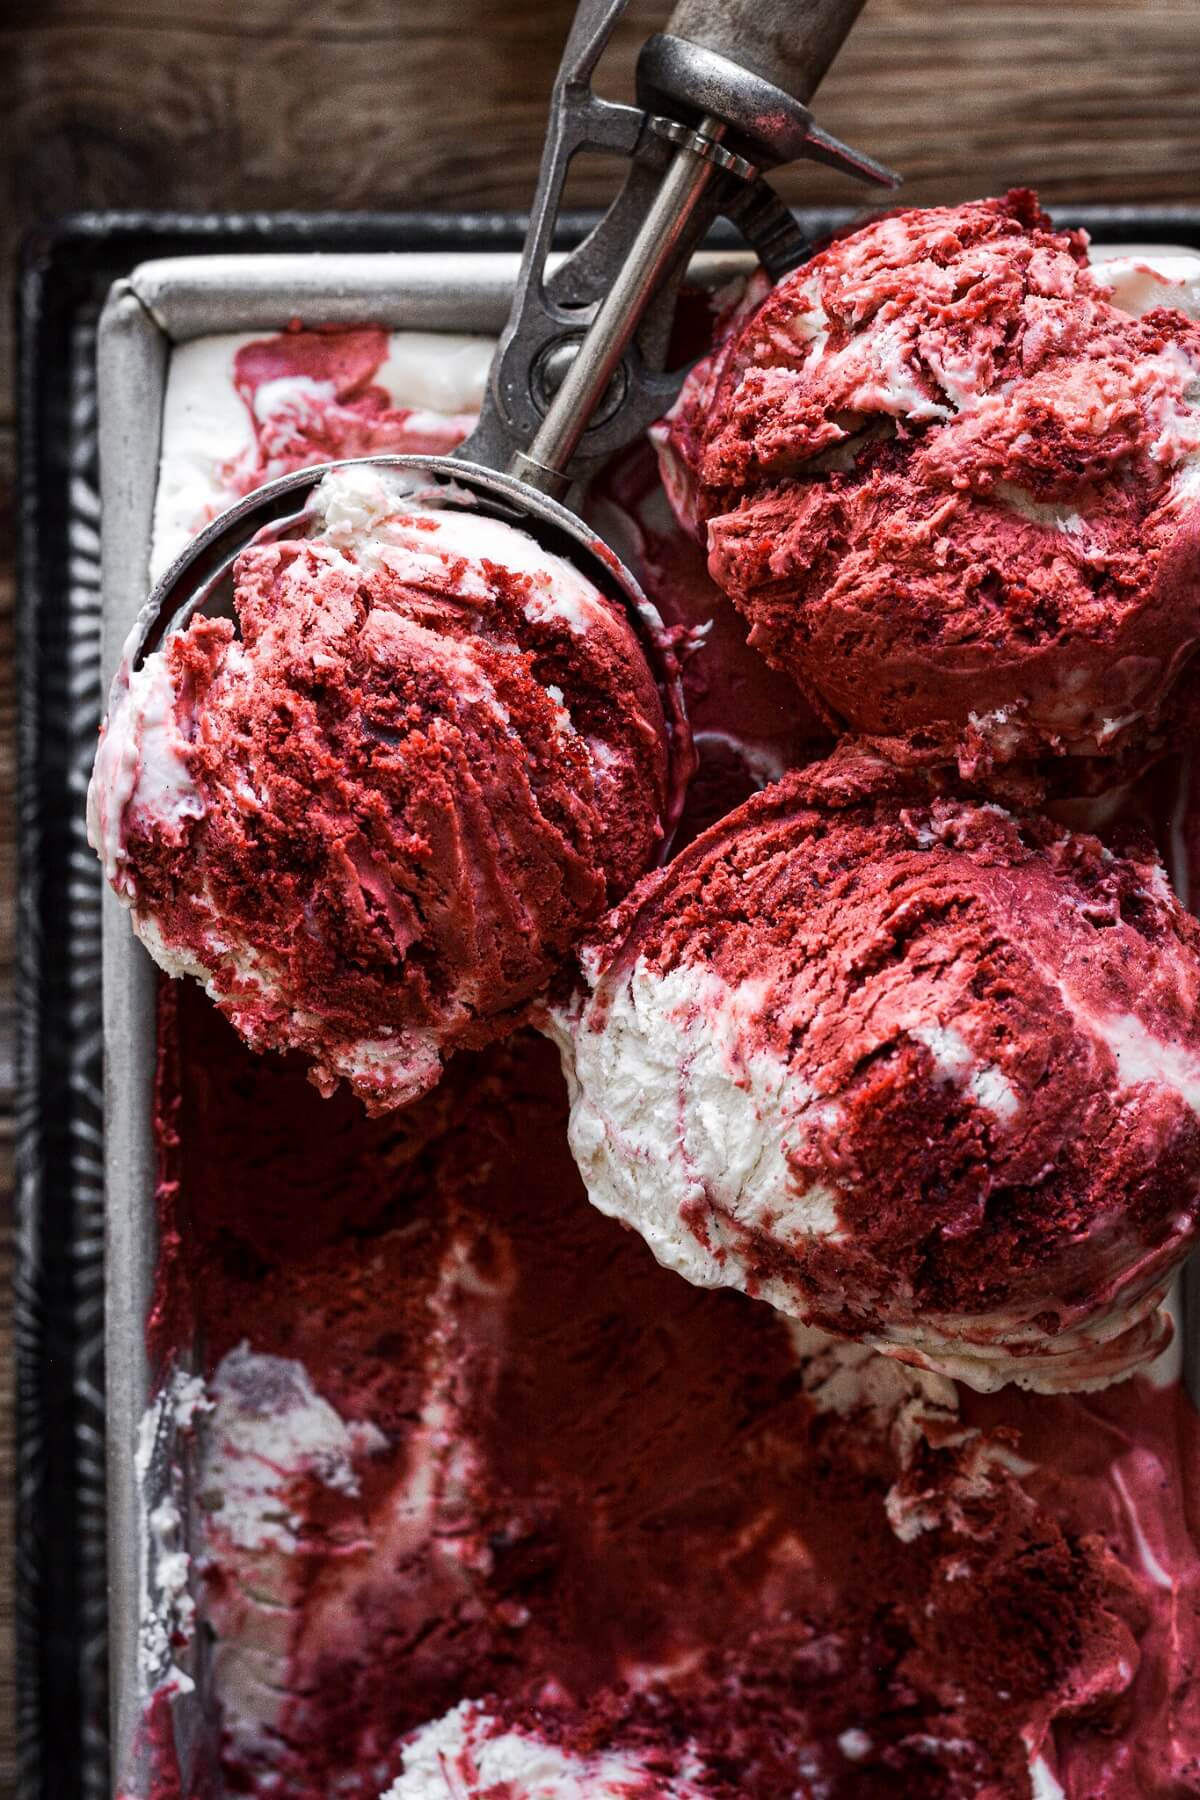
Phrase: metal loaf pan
pixel 159 304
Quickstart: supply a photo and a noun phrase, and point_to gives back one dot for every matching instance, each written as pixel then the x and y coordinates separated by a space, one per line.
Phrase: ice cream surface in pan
pixel 241 410
pixel 464 1441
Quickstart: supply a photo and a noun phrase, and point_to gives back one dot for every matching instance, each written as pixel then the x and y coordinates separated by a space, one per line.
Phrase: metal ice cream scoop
pixel 580 368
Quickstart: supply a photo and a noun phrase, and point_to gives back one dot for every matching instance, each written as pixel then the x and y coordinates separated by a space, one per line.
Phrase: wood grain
pixel 203 104
pixel 256 103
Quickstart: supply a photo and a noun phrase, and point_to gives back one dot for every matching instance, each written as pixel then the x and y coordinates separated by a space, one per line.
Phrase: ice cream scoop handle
pixel 788 42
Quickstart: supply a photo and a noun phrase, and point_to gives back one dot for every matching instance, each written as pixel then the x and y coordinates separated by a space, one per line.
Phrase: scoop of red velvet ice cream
pixel 376 822
pixel 911 1067
pixel 954 489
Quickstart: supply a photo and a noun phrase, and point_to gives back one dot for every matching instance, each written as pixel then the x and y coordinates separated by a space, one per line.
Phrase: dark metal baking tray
pixel 67 271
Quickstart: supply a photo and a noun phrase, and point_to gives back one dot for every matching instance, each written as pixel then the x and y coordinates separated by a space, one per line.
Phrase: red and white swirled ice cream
pixel 374 820
pixel 911 1066
pixel 954 486
pixel 241 410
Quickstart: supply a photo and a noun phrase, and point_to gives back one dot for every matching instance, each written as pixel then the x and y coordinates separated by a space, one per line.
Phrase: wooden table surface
pixel 210 104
